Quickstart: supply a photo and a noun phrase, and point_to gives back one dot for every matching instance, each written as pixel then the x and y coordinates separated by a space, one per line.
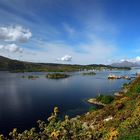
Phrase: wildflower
pixel 56 110
pixel 55 134
pixel 1 137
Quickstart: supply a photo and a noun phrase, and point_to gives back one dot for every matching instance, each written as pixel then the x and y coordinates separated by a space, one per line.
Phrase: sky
pixel 70 31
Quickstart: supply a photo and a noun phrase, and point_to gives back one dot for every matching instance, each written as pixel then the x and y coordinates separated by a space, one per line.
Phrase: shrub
pixel 137 88
pixel 129 137
pixel 105 99
pixel 93 108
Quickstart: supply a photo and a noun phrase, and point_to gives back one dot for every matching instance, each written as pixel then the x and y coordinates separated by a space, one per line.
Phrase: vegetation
pixel 125 85
pixel 20 66
pixel 57 75
pixel 30 76
pixel 89 73
pixel 105 99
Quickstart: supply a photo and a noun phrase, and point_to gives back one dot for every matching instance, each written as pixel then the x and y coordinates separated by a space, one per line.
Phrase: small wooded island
pixel 57 75
pixel 32 77
pixel 89 73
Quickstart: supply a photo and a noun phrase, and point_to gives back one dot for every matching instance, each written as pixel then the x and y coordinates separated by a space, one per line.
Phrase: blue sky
pixel 70 31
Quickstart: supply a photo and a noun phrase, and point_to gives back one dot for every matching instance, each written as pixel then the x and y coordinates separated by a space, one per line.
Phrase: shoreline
pixel 95 102
pixel 117 94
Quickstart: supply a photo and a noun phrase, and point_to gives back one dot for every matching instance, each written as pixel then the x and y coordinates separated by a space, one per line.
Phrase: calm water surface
pixel 24 101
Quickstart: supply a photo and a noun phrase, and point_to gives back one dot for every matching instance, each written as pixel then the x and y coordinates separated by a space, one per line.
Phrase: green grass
pixel 105 99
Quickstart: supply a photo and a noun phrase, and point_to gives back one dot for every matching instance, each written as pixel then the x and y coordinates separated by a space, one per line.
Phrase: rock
pixel 87 113
pixel 108 119
pixel 94 101
pixel 118 94
pixel 125 90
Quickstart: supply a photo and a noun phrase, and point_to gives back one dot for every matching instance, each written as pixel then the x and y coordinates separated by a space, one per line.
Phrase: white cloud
pixel 134 60
pixel 137 59
pixel 65 58
pixel 10 35
pixel 14 34
pixel 96 51
pixel 11 48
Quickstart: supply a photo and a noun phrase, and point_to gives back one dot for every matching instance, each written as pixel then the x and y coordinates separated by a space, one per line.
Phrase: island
pixel 32 77
pixel 57 75
pixel 89 73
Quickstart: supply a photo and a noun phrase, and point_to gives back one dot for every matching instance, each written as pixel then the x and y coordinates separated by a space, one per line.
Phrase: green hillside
pixel 21 66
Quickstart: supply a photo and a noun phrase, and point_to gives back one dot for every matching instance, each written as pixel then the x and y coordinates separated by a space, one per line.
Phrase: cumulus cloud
pixel 65 58
pixel 11 48
pixel 15 34
pixel 137 59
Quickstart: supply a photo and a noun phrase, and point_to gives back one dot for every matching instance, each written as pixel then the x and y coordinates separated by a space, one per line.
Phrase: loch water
pixel 23 101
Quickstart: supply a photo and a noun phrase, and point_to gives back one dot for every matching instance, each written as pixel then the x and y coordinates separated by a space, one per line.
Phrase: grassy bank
pixel 119 120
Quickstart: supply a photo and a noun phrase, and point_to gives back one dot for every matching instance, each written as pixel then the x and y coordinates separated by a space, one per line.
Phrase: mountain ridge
pixel 7 64
pixel 125 64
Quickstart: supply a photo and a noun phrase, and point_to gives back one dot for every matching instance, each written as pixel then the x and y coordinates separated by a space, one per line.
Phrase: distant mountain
pixel 125 64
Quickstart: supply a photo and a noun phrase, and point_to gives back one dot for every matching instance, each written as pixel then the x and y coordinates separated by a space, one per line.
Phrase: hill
pixel 125 64
pixel 7 64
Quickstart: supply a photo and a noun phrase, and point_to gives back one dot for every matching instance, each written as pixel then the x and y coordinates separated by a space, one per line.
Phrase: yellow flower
pixel 56 110
pixel 113 133
pixel 1 137
pixel 14 130
pixel 55 134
